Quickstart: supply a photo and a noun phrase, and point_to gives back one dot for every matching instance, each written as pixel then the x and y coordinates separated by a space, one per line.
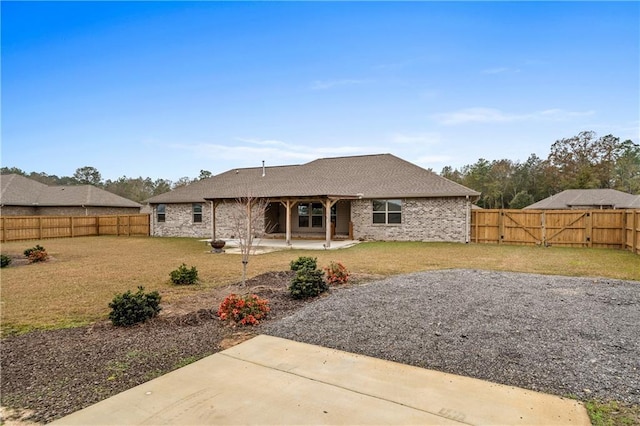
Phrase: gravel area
pixel 561 335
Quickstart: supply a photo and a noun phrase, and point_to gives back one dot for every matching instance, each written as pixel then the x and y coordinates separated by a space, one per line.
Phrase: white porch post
pixel 214 205
pixel 327 221
pixel 288 204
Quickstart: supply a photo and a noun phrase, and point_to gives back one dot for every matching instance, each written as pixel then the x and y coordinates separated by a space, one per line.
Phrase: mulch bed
pixel 50 374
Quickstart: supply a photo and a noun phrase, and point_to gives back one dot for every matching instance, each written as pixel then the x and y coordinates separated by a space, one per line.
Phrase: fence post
pixel 72 230
pixel 477 218
pixel 500 226
pixel 543 226
pixel 39 227
pixel 634 231
pixel 4 231
pixel 589 229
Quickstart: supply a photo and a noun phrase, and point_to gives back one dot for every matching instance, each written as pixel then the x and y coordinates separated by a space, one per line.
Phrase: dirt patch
pixel 49 374
pixel 18 260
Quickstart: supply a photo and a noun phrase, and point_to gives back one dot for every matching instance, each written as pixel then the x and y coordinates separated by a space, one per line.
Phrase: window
pixel 316 215
pixel 197 213
pixel 161 212
pixel 303 215
pixel 387 211
pixel 310 215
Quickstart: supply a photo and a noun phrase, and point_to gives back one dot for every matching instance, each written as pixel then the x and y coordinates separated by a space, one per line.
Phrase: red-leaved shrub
pixel 337 273
pixel 243 310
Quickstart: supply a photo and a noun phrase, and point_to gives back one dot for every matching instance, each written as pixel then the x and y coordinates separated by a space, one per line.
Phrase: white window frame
pixel 195 213
pixel 386 210
pixel 161 210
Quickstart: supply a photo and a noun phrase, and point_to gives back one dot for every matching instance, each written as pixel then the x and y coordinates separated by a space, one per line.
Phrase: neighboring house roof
pixel 21 191
pixel 366 176
pixel 588 198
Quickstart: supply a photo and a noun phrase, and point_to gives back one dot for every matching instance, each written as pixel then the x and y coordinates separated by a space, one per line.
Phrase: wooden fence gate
pixel 618 229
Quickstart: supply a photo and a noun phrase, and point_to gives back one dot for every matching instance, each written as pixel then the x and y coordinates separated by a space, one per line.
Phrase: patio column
pixel 213 219
pixel 327 221
pixel 288 204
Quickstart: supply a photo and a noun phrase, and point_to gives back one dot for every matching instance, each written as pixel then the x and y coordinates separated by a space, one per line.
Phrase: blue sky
pixel 165 89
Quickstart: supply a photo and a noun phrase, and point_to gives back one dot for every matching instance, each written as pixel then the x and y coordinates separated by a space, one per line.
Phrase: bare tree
pixel 248 225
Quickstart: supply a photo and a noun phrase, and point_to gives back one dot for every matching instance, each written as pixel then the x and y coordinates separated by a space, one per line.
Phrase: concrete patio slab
pixel 269 380
pixel 267 245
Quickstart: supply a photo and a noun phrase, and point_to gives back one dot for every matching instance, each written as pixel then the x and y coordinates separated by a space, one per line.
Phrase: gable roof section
pixel 21 191
pixel 588 198
pixel 366 176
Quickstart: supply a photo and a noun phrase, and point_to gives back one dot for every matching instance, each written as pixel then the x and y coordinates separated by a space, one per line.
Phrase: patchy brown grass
pixel 84 274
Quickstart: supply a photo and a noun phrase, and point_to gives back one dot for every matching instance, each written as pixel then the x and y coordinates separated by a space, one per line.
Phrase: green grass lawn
pixel 75 287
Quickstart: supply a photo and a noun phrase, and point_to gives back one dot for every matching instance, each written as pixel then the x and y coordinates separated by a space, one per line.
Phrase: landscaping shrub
pixel 4 260
pixel 336 273
pixel 131 308
pixel 36 254
pixel 304 262
pixel 184 275
pixel 243 310
pixel 307 283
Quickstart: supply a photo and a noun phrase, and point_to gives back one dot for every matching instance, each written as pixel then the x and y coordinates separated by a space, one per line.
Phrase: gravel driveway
pixel 561 335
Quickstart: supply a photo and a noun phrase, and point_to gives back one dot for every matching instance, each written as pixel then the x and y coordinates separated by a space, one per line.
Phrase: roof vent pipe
pixel 263 169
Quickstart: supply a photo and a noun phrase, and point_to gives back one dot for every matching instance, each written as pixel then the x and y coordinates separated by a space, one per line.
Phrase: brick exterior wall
pixel 179 221
pixel 423 219
pixel 18 211
pixel 225 224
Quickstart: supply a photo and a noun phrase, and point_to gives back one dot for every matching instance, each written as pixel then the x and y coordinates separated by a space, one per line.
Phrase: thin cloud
pixel 330 84
pixel 434 159
pixel 274 152
pixel 393 65
pixel 500 70
pixel 491 115
pixel 416 138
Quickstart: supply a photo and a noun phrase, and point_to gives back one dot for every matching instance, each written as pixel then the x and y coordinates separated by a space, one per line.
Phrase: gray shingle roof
pixel 588 198
pixel 366 176
pixel 21 191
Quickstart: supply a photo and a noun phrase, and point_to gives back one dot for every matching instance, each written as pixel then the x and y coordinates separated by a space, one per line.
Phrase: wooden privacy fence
pixel 619 229
pixel 16 228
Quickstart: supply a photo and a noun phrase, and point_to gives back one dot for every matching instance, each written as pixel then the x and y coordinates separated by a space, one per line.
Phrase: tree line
pixel 580 162
pixel 136 189
pixel 584 161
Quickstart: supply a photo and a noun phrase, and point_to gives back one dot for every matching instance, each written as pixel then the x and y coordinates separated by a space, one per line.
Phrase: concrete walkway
pixel 273 381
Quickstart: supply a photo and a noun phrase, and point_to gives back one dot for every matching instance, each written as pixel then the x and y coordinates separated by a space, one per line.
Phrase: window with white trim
pixel 197 212
pixel 387 211
pixel 161 212
pixel 310 215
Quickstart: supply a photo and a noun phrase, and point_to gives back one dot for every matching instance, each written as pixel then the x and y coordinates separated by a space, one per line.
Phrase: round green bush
pixel 184 275
pixel 304 262
pixel 5 260
pixel 307 283
pixel 132 308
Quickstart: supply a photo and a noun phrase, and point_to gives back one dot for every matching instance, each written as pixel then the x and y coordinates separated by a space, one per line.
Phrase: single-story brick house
pixel 22 196
pixel 587 199
pixel 368 197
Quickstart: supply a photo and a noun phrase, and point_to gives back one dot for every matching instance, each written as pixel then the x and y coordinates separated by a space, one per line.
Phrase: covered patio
pixel 310 218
